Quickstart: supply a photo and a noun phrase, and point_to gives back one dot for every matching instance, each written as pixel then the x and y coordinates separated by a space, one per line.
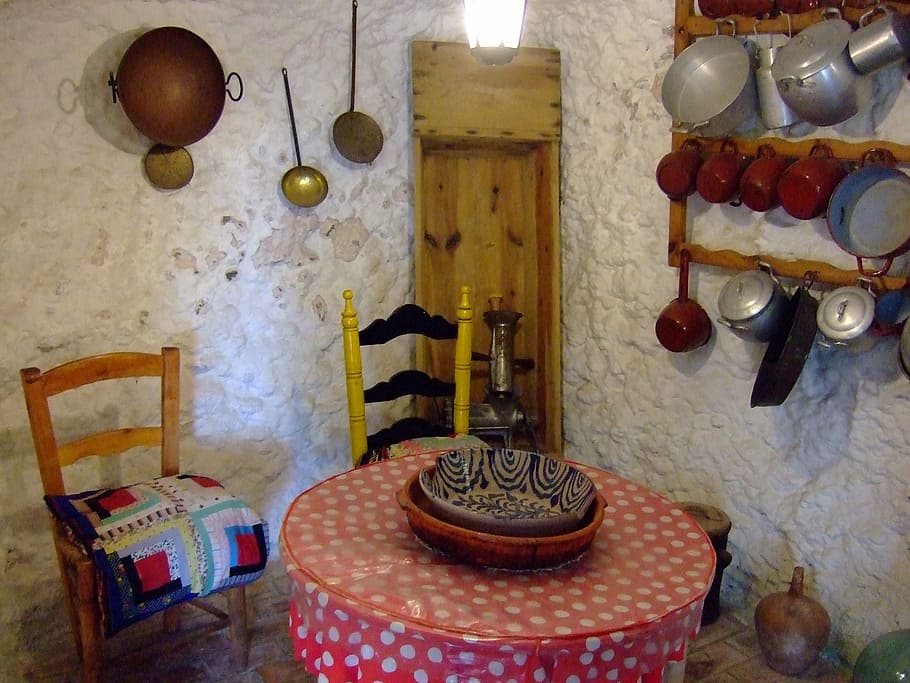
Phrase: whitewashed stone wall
pixel 92 258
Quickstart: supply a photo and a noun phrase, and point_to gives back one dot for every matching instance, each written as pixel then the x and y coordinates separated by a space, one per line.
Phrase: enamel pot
pixel 787 352
pixel 683 325
pixel 753 304
pixel 867 213
pixel 816 77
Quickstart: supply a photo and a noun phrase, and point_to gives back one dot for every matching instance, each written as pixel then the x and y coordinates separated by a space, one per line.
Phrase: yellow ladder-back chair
pixel 408 319
pixel 124 529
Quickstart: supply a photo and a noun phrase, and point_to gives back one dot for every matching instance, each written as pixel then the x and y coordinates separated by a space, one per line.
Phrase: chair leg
pixel 172 617
pixel 240 642
pixel 72 597
pixel 89 615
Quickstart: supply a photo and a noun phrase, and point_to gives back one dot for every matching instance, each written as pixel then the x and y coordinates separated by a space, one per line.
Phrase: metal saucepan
pixel 868 210
pixel 816 77
pixel 683 324
pixel 753 304
pixel 788 350
pixel 171 86
pixel 357 137
pixel 303 185
pixel 709 88
pixel 876 44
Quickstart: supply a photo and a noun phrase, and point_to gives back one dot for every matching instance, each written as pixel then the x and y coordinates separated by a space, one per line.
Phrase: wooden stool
pixel 717 525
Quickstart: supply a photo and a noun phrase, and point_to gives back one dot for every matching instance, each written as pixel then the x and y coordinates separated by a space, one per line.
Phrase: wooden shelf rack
pixel 688 27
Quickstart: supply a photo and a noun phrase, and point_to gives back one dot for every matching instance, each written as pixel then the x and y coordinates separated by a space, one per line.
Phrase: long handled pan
pixel 303 185
pixel 357 137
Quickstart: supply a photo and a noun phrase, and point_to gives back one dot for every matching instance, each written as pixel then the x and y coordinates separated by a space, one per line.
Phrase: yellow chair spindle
pixel 462 404
pixel 354 378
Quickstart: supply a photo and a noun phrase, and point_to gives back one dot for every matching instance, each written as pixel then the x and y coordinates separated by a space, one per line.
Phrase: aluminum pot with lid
pixel 753 304
pixel 816 77
pixel 845 316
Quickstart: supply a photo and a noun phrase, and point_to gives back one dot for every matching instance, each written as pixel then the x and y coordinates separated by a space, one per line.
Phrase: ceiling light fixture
pixel 494 28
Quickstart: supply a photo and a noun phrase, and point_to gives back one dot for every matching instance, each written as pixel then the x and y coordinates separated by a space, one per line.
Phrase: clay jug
pixel 792 628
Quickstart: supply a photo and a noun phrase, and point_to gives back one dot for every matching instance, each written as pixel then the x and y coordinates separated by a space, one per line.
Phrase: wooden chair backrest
pixel 53 456
pixel 409 319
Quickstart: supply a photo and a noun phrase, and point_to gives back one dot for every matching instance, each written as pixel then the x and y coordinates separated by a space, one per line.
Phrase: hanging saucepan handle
pixel 689 128
pixel 886 266
pixel 227 81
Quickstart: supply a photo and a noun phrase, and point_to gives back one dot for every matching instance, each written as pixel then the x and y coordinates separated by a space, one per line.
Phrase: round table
pixel 370 602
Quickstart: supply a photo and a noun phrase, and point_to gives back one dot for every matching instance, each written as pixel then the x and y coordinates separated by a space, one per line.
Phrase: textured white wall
pixel 93 258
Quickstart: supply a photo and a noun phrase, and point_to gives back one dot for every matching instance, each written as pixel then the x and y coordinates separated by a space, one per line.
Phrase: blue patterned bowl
pixel 507 492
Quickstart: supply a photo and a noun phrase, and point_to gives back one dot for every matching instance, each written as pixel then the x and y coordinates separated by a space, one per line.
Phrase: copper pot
pixel 171 86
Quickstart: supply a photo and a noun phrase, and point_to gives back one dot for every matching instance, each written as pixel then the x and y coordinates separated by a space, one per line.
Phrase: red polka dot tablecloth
pixel 370 602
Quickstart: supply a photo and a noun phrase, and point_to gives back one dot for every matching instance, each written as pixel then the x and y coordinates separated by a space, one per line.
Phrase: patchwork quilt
pixel 164 541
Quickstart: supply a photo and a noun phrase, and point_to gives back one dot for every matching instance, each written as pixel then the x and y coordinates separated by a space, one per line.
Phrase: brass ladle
pixel 303 185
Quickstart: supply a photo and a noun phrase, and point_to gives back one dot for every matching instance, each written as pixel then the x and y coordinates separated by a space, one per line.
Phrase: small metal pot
pixel 753 304
pixel 845 316
pixel 816 77
pixel 876 44
pixel 709 88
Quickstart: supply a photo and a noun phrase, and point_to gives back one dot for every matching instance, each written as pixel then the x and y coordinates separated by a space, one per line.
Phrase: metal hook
pixel 725 20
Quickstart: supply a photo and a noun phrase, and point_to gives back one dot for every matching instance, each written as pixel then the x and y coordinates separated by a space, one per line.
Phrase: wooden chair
pixel 408 319
pixel 82 579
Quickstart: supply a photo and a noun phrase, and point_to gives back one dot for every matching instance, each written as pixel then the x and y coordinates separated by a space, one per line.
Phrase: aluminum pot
pixel 753 304
pixel 709 88
pixel 816 77
pixel 845 317
pixel 876 44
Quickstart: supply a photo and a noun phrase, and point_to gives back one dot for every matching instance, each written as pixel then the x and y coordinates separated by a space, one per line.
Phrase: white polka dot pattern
pixel 371 603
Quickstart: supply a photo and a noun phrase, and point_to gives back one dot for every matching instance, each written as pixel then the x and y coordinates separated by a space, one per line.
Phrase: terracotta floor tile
pixel 703 663
pixel 725 627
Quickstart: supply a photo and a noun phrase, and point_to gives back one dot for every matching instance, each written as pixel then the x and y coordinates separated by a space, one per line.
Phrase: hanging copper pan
pixel 171 86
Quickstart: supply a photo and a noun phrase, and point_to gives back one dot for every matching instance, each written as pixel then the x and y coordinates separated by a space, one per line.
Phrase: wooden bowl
pixel 491 550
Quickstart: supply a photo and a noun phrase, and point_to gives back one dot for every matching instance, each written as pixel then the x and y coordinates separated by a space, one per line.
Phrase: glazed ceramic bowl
pixel 507 492
pixel 515 553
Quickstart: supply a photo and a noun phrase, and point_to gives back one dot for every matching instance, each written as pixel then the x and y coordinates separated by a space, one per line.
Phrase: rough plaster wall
pixel 93 258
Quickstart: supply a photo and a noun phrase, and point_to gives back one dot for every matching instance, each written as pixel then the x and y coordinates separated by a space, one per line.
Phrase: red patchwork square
pixel 247 549
pixel 153 571
pixel 205 482
pixel 117 499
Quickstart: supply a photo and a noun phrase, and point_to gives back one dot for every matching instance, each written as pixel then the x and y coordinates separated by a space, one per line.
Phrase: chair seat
pixel 429 444
pixel 161 542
